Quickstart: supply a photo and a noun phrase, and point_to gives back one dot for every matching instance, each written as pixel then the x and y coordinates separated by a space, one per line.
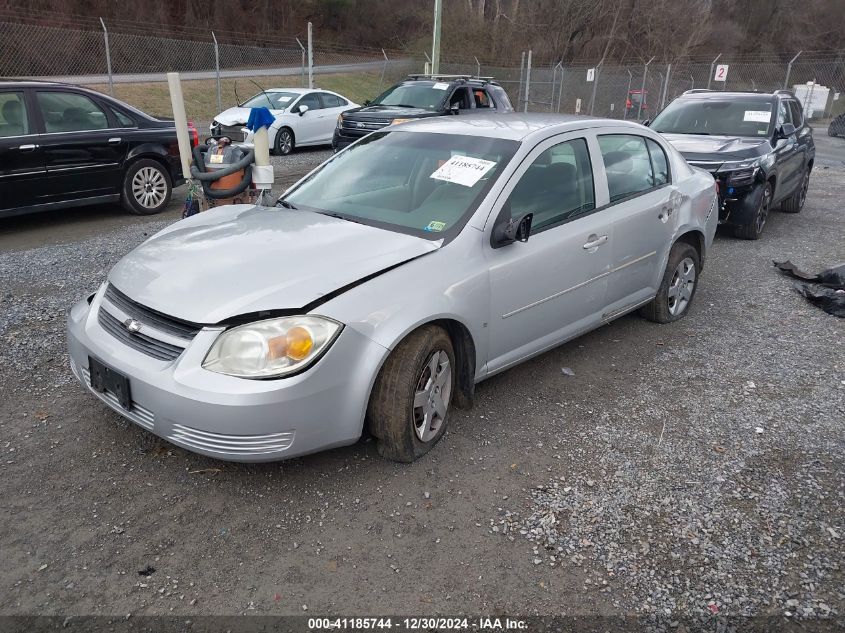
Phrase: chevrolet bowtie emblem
pixel 360 125
pixel 132 326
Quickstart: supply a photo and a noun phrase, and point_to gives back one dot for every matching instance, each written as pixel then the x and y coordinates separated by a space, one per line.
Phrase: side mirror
pixel 303 109
pixel 367 102
pixel 511 230
pixel 646 122
pixel 786 130
pixel 455 108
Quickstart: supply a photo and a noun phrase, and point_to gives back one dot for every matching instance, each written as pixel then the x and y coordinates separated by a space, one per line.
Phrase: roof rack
pixel 697 90
pixel 448 77
pixel 784 91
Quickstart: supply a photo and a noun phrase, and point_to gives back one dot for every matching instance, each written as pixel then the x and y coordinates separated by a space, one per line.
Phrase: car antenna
pixel 264 92
pixel 237 98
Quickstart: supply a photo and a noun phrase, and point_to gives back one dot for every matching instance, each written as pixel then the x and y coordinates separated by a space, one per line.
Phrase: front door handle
pixel 114 140
pixel 27 148
pixel 594 241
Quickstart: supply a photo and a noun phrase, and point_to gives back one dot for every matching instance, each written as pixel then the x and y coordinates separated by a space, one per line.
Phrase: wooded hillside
pixel 492 30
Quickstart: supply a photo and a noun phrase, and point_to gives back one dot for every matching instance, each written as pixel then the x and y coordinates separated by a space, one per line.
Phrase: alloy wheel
pixel 149 187
pixel 285 142
pixel 682 286
pixel 763 211
pixel 432 394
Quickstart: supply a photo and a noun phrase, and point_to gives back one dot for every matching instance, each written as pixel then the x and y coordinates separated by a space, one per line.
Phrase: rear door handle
pixel 114 140
pixel 27 148
pixel 594 241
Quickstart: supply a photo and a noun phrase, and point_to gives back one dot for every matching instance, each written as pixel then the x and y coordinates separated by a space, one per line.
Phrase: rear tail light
pixel 193 134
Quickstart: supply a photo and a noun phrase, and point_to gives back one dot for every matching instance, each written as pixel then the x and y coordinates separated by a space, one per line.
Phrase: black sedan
pixel 66 146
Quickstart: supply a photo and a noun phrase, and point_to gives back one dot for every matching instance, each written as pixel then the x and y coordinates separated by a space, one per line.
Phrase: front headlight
pixel 399 121
pixel 741 172
pixel 271 348
pixel 339 121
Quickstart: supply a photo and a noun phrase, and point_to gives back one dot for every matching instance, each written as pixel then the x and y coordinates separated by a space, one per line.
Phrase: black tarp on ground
pixel 825 289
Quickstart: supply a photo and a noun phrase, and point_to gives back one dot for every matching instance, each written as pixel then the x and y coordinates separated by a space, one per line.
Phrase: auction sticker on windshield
pixel 440 86
pixel 463 170
pixel 757 116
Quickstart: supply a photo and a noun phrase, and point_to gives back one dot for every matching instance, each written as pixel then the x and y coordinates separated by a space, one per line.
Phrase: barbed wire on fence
pixel 635 90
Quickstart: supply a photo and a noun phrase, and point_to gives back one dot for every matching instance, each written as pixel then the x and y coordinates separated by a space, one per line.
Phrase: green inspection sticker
pixel 435 226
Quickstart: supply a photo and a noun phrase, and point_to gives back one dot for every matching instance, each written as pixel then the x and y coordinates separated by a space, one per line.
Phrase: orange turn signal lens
pixel 299 343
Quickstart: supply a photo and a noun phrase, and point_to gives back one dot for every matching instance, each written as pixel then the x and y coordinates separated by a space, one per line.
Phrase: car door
pixel 22 171
pixel 643 205
pixel 551 287
pixel 83 150
pixel 333 105
pixel 788 155
pixel 308 126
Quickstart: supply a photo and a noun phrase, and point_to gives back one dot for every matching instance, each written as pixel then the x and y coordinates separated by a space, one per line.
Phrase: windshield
pixel 735 117
pixel 272 100
pixel 416 95
pixel 422 184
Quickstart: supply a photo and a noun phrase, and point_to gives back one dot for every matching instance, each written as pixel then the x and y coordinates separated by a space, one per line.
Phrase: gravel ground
pixel 672 472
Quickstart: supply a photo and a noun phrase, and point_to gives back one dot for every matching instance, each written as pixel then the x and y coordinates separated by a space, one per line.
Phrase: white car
pixel 304 117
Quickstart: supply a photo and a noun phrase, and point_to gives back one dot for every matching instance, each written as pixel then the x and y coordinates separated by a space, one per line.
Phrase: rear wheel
pixel 795 202
pixel 410 401
pixel 284 141
pixel 146 187
pixel 754 228
pixel 677 288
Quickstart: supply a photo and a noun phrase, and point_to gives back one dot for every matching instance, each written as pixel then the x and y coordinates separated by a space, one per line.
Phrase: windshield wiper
pixel 340 217
pixel 286 205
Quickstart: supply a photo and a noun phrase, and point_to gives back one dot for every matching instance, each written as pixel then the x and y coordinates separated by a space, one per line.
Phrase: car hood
pixel 699 147
pixel 238 116
pixel 242 259
pixel 388 112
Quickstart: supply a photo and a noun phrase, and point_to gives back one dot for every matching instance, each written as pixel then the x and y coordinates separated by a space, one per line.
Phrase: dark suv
pixel 418 97
pixel 758 147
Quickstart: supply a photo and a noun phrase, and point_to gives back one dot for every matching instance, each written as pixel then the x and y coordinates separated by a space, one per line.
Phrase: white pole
pixel 527 80
pixel 181 122
pixel 310 55
pixel 435 39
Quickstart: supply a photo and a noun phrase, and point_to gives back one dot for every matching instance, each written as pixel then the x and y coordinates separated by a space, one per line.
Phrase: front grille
pixel 137 340
pixel 234 132
pixel 352 128
pixel 708 165
pixel 230 444
pixel 138 414
pixel 161 322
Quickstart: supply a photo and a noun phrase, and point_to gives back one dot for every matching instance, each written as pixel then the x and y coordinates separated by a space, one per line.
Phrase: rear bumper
pixel 231 418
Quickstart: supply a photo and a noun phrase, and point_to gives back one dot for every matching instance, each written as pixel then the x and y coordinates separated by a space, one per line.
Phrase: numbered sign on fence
pixel 591 74
pixel 721 73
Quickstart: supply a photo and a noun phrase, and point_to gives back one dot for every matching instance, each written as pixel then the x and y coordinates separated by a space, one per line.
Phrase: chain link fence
pixel 218 73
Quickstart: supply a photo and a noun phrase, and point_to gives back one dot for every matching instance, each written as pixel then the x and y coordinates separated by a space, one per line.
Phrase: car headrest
pixel 619 161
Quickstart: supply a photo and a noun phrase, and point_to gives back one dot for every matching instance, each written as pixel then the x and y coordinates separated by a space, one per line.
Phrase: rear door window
pixel 70 112
pixel 628 165
pixel 332 101
pixel 659 164
pixel 13 118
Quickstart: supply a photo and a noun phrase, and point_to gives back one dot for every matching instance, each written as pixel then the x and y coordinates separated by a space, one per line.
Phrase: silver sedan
pixel 390 281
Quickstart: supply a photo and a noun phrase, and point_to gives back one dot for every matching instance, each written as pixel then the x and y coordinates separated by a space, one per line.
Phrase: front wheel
pixel 795 202
pixel 410 401
pixel 678 286
pixel 753 229
pixel 146 187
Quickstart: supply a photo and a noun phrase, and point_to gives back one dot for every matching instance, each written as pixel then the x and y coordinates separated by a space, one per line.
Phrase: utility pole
pixel 435 40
